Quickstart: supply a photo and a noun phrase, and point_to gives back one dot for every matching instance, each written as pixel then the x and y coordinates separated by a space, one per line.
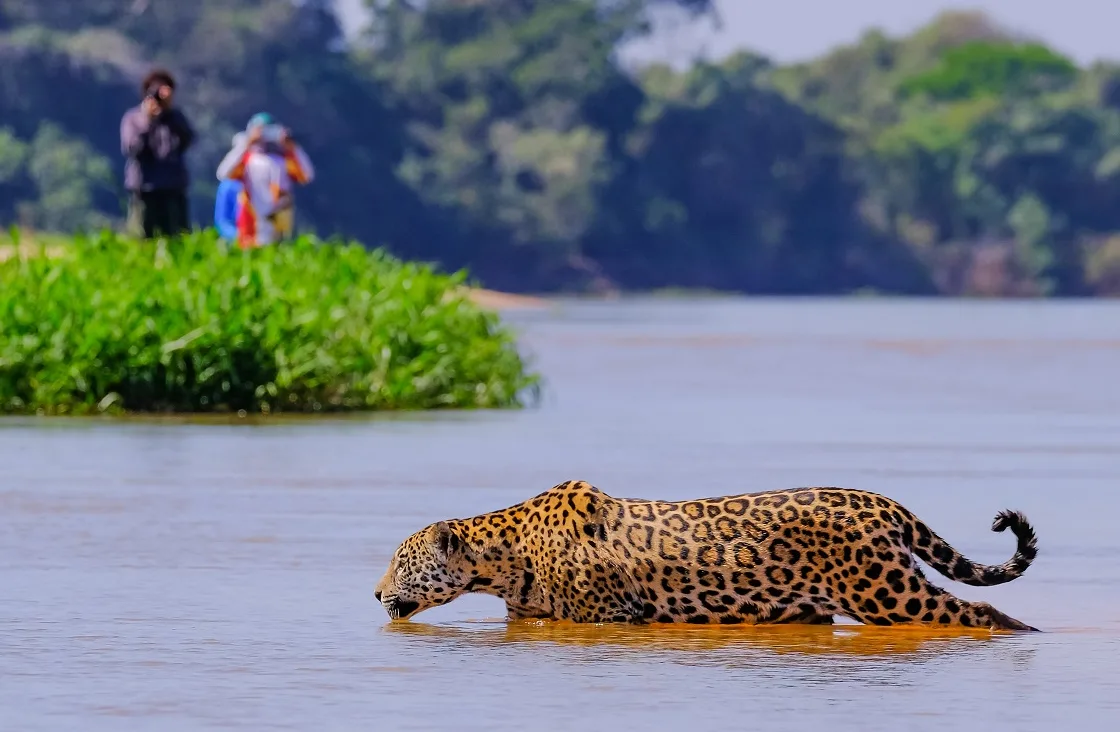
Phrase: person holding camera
pixel 154 138
pixel 269 163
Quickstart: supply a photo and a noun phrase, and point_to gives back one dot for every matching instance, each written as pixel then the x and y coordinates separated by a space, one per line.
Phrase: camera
pixel 272 133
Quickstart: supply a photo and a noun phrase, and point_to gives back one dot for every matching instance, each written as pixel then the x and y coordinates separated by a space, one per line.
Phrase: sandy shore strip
pixel 494 300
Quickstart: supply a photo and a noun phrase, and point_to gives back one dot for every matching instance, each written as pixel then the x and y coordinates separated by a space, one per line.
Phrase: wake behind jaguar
pixel 802 555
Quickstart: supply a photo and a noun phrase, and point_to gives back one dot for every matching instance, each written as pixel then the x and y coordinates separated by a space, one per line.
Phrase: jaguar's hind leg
pixel 904 595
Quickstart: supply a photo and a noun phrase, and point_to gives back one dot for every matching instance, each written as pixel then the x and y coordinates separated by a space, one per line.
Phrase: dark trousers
pixel 158 213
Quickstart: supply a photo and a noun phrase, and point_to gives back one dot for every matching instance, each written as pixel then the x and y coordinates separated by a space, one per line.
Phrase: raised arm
pixel 299 165
pixel 233 164
pixel 134 133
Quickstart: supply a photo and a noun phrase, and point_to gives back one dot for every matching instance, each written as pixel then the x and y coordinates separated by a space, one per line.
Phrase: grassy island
pixel 191 324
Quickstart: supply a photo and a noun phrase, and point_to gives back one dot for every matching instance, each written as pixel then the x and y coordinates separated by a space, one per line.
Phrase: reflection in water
pixel 847 640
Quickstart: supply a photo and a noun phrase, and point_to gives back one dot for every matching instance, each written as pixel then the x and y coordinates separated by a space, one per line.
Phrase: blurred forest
pixel 506 136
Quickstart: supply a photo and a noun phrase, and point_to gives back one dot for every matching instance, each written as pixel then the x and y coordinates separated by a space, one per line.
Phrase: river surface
pixel 186 575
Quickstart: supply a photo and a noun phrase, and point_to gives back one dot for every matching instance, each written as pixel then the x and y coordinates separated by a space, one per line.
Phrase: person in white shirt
pixel 269 163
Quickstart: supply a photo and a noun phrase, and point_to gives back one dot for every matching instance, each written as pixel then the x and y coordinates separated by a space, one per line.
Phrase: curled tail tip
pixel 1008 520
pixel 1014 520
pixel 1027 548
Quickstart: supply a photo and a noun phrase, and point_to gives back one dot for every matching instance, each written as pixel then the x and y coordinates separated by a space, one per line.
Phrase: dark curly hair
pixel 157 76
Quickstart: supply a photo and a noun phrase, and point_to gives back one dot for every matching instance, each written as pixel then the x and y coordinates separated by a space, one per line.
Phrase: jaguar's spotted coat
pixel 788 556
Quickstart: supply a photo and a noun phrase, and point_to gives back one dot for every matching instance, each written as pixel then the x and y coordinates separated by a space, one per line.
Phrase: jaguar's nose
pixel 377 594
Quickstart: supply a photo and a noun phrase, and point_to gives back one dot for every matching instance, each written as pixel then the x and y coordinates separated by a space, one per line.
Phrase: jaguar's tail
pixel 937 553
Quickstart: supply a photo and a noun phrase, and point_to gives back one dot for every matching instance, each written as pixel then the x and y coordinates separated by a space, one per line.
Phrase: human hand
pixel 151 107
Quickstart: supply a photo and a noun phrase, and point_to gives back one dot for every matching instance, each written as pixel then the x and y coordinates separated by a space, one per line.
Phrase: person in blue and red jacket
pixel 269 163
pixel 227 207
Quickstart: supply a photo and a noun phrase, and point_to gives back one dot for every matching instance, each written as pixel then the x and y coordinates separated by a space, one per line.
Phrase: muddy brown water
pixel 196 574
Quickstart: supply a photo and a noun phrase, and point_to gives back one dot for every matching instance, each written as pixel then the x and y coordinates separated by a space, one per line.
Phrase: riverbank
pixel 502 301
pixel 102 324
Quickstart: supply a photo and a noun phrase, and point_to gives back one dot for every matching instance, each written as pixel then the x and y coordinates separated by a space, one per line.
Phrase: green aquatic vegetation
pixel 191 324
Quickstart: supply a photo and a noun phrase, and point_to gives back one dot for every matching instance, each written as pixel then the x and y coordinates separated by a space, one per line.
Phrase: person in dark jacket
pixel 154 138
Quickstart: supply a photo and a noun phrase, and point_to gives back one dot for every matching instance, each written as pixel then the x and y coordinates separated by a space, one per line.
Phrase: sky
pixel 796 30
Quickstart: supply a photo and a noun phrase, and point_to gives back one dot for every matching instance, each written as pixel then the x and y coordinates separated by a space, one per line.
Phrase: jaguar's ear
pixel 445 540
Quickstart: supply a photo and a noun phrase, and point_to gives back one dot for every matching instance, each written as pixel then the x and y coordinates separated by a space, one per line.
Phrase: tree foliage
pixel 507 136
pixel 986 68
